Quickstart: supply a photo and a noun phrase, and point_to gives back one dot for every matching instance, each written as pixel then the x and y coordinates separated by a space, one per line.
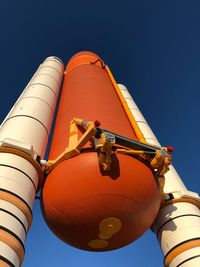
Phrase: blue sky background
pixel 153 47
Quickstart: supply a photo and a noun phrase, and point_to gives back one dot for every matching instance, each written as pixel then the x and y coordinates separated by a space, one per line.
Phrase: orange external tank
pixel 84 206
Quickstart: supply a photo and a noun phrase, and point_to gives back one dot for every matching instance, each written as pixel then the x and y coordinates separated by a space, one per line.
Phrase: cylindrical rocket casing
pixel 84 205
pixel 23 139
pixel 177 225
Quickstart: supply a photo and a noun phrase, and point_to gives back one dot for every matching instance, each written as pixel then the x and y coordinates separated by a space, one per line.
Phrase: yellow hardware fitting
pixel 91 131
pixel 161 162
pixel 75 144
pixel 78 121
pixel 67 154
pixel 85 124
pixel 130 152
pixel 105 156
pixel 73 134
pixel 158 160
pixel 107 141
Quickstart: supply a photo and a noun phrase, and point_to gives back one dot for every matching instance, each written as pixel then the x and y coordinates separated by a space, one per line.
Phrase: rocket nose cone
pixel 84 53
pixel 82 58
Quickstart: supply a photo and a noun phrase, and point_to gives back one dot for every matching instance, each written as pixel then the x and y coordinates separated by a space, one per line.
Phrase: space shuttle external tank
pixel 91 201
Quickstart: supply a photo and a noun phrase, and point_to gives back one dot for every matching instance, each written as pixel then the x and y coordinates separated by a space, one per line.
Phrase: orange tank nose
pixel 84 206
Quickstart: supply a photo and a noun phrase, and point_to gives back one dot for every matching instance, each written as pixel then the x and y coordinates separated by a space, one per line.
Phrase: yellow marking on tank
pixel 107 228
pixel 98 243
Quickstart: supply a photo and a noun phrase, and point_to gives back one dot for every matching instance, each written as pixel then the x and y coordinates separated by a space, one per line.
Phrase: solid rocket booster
pixel 23 140
pixel 85 206
pixel 177 225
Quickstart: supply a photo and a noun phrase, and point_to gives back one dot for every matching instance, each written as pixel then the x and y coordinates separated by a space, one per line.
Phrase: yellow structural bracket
pixel 104 141
pixel 159 162
pixel 105 146
pixel 75 144
pixel 133 152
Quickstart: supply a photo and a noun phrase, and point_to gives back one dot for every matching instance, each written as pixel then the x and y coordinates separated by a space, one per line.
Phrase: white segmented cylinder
pixel 25 133
pixel 14 181
pixel 33 113
pixel 175 211
pixel 31 125
pixel 12 209
pixel 9 254
pixel 172 229
pixel 12 224
pixel 28 107
pixel 41 92
pixel 15 162
pixel 50 62
pixel 173 182
pixel 142 123
pixel 54 62
pixel 188 258
pixel 177 225
pixel 46 80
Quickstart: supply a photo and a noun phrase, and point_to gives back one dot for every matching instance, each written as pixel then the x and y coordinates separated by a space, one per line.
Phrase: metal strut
pixel 107 142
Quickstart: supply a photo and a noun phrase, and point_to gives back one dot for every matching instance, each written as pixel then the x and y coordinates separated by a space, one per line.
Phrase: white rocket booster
pixel 23 140
pixel 177 225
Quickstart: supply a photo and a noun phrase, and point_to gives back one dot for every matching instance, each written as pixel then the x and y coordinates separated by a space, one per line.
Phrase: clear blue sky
pixel 153 47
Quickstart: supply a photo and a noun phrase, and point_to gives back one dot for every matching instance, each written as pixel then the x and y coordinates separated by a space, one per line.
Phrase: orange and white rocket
pixel 107 177
pixel 24 135
pixel 177 225
pixel 85 205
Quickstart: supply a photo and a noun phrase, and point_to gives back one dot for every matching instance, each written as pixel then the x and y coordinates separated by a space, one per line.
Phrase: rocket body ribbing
pixel 23 139
pixel 177 225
